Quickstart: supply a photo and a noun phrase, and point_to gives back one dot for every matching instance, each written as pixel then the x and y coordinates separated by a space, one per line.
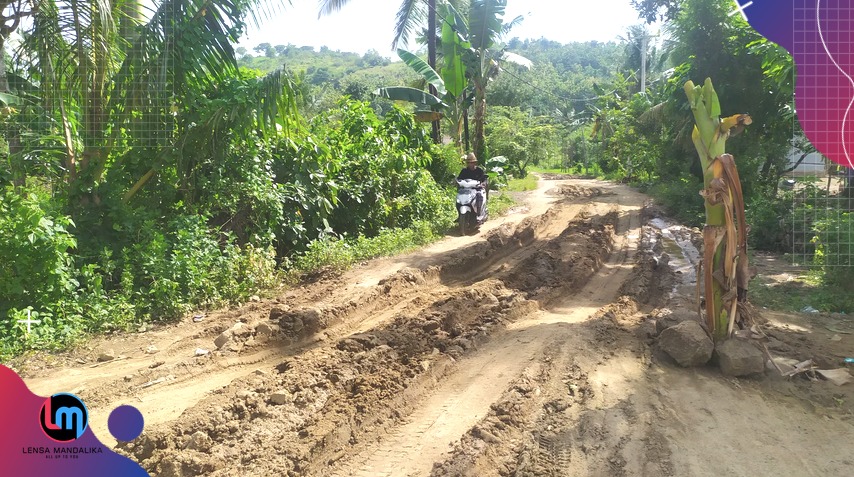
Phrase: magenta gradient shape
pixel 818 34
pixel 20 430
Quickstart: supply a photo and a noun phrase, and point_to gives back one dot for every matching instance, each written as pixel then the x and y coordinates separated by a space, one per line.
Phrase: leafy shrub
pixel 445 165
pixel 378 181
pixel 834 253
pixel 496 169
pixel 35 264
pixel 770 219
pixel 184 265
pixel 336 254
pixel 681 199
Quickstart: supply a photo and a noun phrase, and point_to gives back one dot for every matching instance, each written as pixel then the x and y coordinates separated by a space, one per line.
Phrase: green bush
pixel 445 165
pixel 834 253
pixel 186 265
pixel 337 254
pixel 349 187
pixel 770 219
pixel 35 264
pixel 681 200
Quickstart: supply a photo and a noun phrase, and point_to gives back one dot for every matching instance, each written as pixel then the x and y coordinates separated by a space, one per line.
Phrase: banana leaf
pixel 423 69
pixel 454 47
pixel 405 93
pixel 8 99
pixel 486 22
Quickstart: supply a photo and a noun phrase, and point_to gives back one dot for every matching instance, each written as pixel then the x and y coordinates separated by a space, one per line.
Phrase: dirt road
pixel 526 350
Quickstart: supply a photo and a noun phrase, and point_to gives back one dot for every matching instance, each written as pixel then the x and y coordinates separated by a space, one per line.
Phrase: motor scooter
pixel 469 215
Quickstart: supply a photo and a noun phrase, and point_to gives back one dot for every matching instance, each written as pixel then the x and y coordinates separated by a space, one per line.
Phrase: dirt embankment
pixel 527 350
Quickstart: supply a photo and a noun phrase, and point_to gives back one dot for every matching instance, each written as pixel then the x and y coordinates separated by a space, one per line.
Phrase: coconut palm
pixel 410 16
pixel 111 79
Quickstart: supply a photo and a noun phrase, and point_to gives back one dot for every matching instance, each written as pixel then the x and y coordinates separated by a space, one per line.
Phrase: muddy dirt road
pixel 526 350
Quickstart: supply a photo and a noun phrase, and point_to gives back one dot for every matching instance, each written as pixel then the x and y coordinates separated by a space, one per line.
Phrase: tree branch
pixel 798 163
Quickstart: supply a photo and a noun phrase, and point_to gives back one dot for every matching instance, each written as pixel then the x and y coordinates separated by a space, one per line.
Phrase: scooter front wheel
pixel 464 224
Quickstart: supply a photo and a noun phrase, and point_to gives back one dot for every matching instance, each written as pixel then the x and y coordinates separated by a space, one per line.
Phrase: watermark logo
pixel 63 417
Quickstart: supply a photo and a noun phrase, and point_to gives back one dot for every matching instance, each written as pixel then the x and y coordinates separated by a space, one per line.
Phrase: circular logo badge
pixel 63 417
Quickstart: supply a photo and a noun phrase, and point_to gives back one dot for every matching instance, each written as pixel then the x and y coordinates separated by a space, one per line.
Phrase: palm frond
pixel 410 15
pixel 261 10
pixel 328 7
pixel 505 30
pixel 185 42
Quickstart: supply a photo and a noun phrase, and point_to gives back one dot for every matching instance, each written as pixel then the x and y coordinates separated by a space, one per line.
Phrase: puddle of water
pixel 684 256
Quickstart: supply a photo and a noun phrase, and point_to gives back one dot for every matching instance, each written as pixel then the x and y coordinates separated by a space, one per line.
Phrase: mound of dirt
pixel 525 350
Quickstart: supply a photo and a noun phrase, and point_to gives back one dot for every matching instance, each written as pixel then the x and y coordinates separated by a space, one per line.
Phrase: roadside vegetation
pixel 139 190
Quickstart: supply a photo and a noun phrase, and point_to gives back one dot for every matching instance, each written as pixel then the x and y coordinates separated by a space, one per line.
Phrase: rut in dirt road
pixel 525 351
pixel 555 271
pixel 334 402
pixel 299 320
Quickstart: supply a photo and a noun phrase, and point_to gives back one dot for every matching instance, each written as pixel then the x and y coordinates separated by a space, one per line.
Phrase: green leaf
pixel 11 99
pixel 422 68
pixel 405 93
pixel 453 47
pixel 485 22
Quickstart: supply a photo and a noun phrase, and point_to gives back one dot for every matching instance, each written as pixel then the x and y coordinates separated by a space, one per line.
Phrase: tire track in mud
pixel 345 308
pixel 466 396
pixel 342 393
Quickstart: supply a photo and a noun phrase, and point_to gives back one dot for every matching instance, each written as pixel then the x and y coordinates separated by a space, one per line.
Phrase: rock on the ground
pixel 108 355
pixel 222 339
pixel 738 357
pixel 279 311
pixel 687 343
pixel 303 321
pixel 668 318
pixel 281 397
pixel 241 329
pixel 199 441
pixel 264 329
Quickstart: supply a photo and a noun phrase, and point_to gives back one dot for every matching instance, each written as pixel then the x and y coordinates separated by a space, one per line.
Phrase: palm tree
pixel 11 14
pixel 113 80
pixel 410 15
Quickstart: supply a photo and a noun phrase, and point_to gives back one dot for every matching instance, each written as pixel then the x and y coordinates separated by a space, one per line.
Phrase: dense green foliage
pixel 193 176
pixel 195 200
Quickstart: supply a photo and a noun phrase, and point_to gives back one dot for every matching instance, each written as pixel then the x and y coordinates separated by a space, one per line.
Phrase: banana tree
pixel 725 265
pixel 447 103
pixel 485 27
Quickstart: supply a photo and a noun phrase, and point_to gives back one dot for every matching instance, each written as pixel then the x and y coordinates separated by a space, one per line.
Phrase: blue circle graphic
pixel 125 423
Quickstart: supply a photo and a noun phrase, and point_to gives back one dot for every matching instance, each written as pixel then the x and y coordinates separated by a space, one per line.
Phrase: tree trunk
pixel 431 58
pixel 4 80
pixel 478 143
pixel 466 123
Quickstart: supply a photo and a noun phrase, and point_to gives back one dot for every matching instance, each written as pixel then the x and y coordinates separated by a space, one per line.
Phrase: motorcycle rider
pixel 472 171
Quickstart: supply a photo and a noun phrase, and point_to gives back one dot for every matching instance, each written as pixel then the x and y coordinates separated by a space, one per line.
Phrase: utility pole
pixel 431 60
pixel 644 46
pixel 644 41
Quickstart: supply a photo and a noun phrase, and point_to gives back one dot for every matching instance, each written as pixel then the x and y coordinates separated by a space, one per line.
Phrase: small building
pixel 813 164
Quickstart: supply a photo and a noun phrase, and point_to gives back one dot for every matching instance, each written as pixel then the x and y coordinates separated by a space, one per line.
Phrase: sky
pixel 368 24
